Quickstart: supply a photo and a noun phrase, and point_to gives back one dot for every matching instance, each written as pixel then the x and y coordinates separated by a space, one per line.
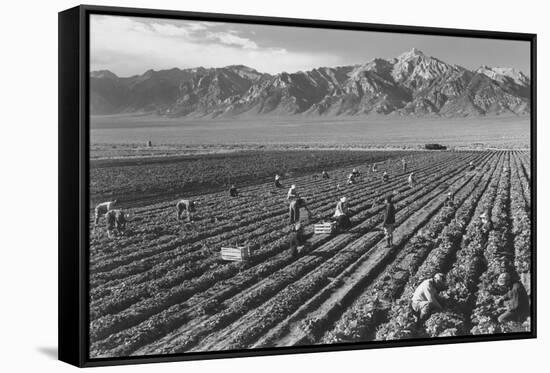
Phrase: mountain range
pixel 410 84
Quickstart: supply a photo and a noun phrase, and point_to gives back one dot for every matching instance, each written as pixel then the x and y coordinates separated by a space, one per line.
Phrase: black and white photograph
pixel 259 186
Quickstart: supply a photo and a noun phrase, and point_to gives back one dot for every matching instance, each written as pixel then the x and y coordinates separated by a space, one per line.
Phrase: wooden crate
pixel 324 228
pixel 235 254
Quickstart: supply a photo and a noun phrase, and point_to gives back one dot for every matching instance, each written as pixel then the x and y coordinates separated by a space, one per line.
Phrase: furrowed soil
pixel 162 288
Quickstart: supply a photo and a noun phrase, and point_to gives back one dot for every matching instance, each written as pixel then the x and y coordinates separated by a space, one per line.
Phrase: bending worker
pixel 294 209
pixel 233 192
pixel 341 214
pixel 412 180
pixel 425 299
pixel 516 300
pixel 185 208
pixel 102 208
pixel 278 182
pixel 115 222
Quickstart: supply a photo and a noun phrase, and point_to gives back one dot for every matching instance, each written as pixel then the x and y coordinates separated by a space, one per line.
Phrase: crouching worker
pixel 385 176
pixel 294 209
pixel 449 200
pixel 324 175
pixel 278 182
pixel 102 208
pixel 516 300
pixel 341 215
pixel 297 240
pixel 184 209
pixel 233 192
pixel 425 299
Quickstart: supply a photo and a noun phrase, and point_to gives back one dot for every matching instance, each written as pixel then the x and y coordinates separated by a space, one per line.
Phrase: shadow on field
pixel 50 352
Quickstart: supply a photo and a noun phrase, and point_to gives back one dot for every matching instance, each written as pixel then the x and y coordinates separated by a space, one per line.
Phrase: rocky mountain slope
pixel 410 84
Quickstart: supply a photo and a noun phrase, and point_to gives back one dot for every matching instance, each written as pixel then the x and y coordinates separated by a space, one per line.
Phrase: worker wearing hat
pixel 449 201
pixel 425 299
pixel 292 193
pixel 341 214
pixel 516 300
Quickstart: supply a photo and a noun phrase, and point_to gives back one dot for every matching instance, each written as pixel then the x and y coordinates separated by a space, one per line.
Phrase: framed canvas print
pixel 235 186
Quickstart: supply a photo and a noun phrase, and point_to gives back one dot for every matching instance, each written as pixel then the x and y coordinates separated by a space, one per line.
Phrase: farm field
pixel 162 289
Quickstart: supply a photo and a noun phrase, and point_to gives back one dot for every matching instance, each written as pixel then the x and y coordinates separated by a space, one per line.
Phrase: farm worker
pixel 297 239
pixel 233 192
pixel 120 221
pixel 472 166
pixel 294 209
pixel 351 179
pixel 292 193
pixel 110 222
pixel 278 181
pixel 374 167
pixel 186 207
pixel 389 220
pixel 102 208
pixel 426 299
pixel 449 200
pixel 324 175
pixel 355 173
pixel 412 180
pixel 404 164
pixel 341 214
pixel 516 300
pixel 385 176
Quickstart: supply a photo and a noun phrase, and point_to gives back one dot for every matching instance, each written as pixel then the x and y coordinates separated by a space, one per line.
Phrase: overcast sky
pixel 129 46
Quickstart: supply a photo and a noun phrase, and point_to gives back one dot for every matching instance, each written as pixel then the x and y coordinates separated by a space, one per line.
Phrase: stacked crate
pixel 235 254
pixel 324 228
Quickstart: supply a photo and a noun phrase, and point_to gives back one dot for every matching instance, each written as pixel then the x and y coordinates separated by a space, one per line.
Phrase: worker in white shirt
pixel 292 193
pixel 341 214
pixel 102 208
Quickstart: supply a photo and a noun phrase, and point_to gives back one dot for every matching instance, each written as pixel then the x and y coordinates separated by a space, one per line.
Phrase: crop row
pixel 521 226
pixel 402 322
pixel 371 308
pixel 499 256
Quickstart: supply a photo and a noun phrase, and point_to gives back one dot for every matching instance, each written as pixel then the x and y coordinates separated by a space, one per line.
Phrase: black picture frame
pixel 74 180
